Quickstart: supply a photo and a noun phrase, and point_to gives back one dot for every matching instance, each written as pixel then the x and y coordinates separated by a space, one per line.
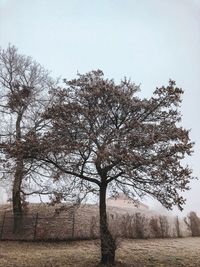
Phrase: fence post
pixel 35 229
pixel 3 222
pixel 73 222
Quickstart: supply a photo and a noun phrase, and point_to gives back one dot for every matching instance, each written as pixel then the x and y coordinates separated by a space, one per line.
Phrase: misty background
pixel 149 41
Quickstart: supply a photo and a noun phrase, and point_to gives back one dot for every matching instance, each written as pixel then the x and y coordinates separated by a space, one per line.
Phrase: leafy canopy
pixel 104 135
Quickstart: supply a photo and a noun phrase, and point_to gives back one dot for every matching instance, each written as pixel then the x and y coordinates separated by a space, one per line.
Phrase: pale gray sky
pixel 149 41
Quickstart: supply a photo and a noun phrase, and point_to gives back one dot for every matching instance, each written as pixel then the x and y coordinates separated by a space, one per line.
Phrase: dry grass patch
pixel 25 254
pixel 183 252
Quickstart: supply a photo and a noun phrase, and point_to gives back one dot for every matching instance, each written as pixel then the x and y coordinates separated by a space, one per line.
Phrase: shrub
pixel 155 227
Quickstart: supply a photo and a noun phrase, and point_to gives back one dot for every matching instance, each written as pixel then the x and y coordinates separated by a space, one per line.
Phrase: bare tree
pixel 24 94
pixel 107 137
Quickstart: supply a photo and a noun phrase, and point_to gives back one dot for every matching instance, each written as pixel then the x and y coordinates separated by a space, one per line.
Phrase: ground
pixel 131 253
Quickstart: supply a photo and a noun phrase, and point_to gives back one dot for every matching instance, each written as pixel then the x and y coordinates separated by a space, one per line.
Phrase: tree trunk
pixel 16 197
pixel 16 191
pixel 108 245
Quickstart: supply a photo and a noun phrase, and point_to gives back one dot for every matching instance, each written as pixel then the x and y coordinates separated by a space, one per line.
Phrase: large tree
pixel 24 86
pixel 103 134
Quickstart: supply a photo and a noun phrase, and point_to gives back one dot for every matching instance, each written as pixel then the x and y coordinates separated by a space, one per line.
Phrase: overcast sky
pixel 149 41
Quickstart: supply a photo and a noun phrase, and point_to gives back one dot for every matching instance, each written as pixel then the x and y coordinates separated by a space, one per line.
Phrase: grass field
pixel 130 253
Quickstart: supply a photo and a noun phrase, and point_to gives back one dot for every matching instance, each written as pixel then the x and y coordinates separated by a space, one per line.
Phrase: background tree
pixel 193 223
pixel 24 86
pixel 107 137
